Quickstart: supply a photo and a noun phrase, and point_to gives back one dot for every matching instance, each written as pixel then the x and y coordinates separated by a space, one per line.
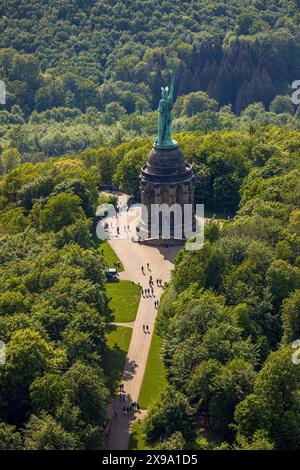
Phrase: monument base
pixel 177 233
pixel 165 243
pixel 168 146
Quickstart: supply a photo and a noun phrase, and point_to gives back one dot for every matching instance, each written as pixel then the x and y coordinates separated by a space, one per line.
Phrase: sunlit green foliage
pixel 236 300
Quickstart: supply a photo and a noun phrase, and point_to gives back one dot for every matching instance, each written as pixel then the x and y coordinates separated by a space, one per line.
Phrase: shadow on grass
pixel 113 363
pixel 118 339
pixel 108 312
pixel 109 255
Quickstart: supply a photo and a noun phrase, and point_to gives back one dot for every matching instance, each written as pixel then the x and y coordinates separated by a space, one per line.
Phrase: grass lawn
pixel 125 299
pixel 137 441
pixel 118 339
pixel 109 255
pixel 155 381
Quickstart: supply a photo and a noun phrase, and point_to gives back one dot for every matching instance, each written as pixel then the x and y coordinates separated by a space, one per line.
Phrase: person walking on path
pixel 148 267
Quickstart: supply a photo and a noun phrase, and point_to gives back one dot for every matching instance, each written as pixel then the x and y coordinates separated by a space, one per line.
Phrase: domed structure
pixel 166 179
pixel 166 165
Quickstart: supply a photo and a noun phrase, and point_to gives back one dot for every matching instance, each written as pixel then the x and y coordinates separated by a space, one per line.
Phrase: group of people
pixel 126 229
pixel 149 291
pixel 146 329
pixel 134 406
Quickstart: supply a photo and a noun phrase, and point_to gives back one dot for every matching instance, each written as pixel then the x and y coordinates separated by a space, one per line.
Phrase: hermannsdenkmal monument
pixel 166 179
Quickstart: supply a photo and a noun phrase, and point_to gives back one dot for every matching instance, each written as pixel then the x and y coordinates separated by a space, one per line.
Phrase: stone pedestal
pixel 166 180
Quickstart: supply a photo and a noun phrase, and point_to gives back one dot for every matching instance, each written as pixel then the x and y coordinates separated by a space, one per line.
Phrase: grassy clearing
pixel 109 255
pixel 118 339
pixel 125 298
pixel 155 381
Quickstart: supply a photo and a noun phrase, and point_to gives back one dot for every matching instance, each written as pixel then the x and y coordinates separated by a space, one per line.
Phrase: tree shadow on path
pixel 129 369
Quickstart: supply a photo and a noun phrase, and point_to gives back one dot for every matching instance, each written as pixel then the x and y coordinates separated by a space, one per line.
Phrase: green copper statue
pixel 165 117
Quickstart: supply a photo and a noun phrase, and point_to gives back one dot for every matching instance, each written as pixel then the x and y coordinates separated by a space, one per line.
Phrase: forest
pixel 52 305
pixel 237 309
pixel 82 53
pixel 84 74
pixel 83 82
pixel 231 312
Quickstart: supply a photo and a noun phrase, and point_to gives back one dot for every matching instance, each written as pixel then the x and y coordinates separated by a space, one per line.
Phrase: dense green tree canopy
pixel 231 311
pixel 84 75
pixel 52 308
pixel 83 81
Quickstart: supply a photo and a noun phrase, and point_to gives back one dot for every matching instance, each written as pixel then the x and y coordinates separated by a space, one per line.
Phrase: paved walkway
pixel 161 260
